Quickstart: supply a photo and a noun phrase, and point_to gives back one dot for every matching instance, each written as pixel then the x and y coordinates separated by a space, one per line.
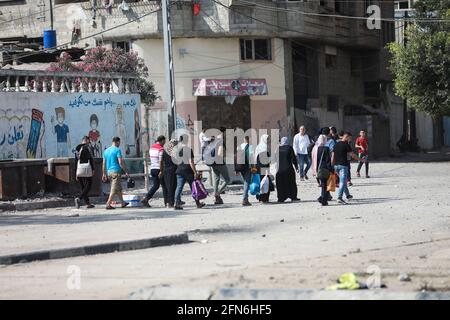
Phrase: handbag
pixel 331 183
pixel 199 191
pixel 84 170
pixel 322 173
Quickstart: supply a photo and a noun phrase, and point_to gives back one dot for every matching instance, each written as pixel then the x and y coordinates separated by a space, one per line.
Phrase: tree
pixel 101 59
pixel 421 66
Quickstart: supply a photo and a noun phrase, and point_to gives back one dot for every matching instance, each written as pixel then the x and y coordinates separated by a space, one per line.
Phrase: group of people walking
pixel 172 166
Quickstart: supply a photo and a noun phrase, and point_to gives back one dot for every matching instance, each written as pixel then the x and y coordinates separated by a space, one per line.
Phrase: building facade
pixel 247 64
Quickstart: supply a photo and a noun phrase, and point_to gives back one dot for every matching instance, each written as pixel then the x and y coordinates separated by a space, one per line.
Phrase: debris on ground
pixel 404 277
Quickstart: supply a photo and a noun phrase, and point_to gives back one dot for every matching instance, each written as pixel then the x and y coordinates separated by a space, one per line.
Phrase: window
pixel 330 61
pixel 388 29
pixel 124 45
pixel 256 49
pixel 333 103
pixel 242 15
pixel 372 89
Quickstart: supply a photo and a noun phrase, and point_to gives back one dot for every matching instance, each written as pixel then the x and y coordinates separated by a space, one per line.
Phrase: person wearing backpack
pixel 85 171
pixel 220 169
pixel 243 167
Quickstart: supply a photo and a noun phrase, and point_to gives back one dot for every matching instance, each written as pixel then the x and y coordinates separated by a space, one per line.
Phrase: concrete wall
pixel 28 122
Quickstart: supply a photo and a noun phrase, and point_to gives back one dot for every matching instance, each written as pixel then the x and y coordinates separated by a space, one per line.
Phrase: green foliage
pixel 422 67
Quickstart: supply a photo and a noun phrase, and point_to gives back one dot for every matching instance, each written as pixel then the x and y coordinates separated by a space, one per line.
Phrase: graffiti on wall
pixel 55 124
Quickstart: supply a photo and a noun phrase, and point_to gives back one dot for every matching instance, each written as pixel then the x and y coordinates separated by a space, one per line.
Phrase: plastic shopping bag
pixel 255 184
pixel 265 183
pixel 199 191
pixel 331 183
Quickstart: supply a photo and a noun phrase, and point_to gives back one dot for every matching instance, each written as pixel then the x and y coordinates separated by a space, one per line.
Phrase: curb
pixel 170 240
pixel 190 293
pixel 63 203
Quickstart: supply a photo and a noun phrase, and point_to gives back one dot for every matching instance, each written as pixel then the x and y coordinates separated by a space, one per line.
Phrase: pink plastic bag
pixel 199 191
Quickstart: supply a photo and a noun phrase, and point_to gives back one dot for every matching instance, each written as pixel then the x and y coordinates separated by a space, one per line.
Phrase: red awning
pixel 229 87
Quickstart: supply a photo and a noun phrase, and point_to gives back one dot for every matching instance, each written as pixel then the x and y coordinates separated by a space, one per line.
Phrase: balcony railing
pixel 44 81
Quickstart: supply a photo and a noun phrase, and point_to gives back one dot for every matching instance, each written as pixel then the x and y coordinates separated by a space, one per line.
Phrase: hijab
pixel 284 141
pixel 321 141
pixel 170 148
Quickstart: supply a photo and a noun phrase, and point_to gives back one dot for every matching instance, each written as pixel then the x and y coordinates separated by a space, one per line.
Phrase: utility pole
pixel 169 72
pixel 51 14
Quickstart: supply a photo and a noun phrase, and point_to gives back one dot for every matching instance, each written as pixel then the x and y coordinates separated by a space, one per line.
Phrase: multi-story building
pixel 316 63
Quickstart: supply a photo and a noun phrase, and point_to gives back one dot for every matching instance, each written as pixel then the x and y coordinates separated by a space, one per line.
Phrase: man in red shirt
pixel 362 145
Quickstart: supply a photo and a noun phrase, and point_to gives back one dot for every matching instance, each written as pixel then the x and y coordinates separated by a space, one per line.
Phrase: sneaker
pixel 124 204
pixel 341 201
pixel 90 206
pixel 110 207
pixel 295 200
pixel 77 203
pixel 330 198
pixel 145 203
pixel 302 179
pixel 349 198
pixel 246 203
pixel 306 177
pixel 350 184
pixel 178 207
pixel 182 203
pixel 367 177
pixel 324 204
pixel 358 175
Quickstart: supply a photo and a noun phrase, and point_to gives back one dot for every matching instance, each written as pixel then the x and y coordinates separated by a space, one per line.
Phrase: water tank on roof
pixel 49 39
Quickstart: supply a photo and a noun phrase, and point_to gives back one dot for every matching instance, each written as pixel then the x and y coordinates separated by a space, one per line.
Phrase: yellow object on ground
pixel 347 281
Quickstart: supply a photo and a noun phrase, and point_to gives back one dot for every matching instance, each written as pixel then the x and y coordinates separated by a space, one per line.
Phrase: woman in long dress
pixel 262 157
pixel 321 158
pixel 285 177
pixel 169 173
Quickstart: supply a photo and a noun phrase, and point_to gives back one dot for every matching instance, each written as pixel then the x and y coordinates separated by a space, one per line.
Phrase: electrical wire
pixel 87 37
pixel 33 14
pixel 263 7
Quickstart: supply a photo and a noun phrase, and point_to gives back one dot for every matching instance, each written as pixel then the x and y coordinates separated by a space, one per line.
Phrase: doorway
pixel 214 112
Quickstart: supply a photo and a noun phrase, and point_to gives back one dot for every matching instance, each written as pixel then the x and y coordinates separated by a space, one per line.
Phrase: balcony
pixel 44 81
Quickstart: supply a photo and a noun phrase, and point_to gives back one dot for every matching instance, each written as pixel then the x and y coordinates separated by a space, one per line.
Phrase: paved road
pixel 399 222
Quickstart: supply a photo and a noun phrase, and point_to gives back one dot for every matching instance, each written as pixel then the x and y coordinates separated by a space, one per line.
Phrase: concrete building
pixel 260 64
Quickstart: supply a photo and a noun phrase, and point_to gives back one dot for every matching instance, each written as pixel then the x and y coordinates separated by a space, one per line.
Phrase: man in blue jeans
pixel 342 152
pixel 156 153
pixel 300 145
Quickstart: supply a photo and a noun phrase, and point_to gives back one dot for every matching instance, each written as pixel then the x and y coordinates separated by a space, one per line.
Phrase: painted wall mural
pixel 51 124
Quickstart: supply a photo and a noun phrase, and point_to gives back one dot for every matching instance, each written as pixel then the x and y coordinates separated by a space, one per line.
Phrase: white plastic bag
pixel 264 187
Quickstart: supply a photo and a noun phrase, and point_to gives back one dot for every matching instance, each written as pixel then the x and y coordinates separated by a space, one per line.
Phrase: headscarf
pixel 284 141
pixel 262 146
pixel 170 148
pixel 321 141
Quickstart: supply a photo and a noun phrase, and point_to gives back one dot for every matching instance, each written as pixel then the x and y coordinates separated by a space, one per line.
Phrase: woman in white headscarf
pixel 321 159
pixel 285 178
pixel 262 160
